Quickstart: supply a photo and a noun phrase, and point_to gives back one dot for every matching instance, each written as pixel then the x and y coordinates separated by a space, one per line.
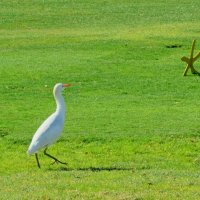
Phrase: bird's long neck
pixel 60 103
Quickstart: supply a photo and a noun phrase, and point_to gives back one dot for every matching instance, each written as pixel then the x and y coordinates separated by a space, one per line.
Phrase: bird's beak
pixel 66 85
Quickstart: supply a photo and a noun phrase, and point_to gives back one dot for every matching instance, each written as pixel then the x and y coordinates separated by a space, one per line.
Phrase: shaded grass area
pixel 132 129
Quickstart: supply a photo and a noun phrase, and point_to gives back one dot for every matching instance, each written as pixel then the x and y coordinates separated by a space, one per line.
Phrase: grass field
pixel 133 121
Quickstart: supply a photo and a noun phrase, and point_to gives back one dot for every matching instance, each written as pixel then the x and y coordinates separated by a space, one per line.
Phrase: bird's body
pixel 47 133
pixel 51 128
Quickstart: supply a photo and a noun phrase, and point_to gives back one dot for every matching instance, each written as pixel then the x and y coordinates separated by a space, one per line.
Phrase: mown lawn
pixel 132 128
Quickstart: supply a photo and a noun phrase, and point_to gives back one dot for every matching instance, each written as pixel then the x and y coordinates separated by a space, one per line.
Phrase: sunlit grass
pixel 132 128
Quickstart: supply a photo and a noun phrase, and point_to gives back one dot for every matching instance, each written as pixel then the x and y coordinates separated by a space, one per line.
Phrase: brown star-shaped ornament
pixel 190 61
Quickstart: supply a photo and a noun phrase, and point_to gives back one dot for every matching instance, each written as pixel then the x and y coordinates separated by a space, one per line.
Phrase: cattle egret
pixel 51 128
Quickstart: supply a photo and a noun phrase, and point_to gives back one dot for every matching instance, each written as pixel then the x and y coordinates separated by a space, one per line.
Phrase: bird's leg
pixel 36 156
pixel 55 159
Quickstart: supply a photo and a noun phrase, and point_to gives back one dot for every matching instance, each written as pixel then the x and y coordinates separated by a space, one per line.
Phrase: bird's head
pixel 59 87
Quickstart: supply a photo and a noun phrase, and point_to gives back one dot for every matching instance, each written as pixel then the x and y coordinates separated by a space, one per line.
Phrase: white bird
pixel 51 128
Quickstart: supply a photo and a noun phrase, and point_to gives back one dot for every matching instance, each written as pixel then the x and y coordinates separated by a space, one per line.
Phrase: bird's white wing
pixel 47 133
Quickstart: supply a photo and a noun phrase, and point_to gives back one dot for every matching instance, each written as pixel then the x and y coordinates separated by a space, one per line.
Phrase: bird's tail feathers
pixel 32 149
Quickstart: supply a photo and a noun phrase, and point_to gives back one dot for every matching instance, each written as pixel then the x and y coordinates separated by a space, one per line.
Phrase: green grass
pixel 132 128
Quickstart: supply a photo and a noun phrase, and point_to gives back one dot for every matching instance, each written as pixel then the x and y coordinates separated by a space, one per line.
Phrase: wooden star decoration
pixel 190 61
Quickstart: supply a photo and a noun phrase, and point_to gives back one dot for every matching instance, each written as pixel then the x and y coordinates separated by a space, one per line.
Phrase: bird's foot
pixel 58 161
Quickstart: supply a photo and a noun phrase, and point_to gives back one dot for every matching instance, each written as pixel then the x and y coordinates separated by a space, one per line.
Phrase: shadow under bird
pixel 50 130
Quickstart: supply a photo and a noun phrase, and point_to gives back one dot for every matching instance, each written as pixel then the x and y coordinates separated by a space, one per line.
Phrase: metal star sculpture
pixel 190 61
